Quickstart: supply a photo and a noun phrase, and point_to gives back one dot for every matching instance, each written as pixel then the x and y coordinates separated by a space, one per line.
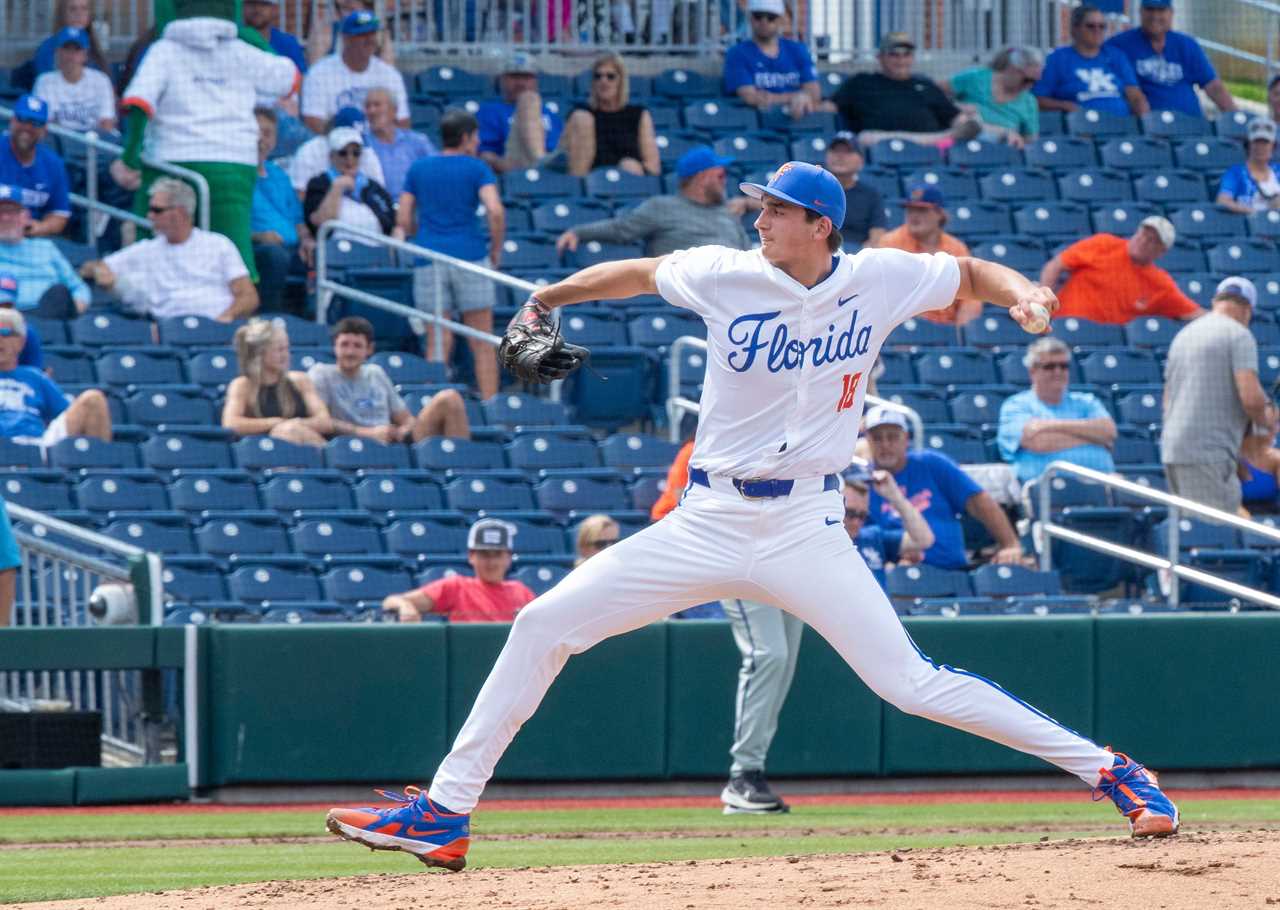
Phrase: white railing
pixel 1177 506
pixel 678 405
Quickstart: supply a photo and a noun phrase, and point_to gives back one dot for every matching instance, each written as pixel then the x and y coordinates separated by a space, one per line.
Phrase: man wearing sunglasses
pixel 1089 74
pixel 880 545
pixel 770 71
pixel 1049 422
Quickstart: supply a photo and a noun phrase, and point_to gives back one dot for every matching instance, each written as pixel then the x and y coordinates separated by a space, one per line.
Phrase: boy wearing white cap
pixel 770 71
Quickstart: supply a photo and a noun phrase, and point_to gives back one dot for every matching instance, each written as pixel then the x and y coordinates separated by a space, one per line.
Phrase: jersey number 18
pixel 851 381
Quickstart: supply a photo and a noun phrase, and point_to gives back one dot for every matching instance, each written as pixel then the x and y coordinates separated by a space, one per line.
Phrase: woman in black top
pixel 607 131
pixel 268 398
pixel 344 193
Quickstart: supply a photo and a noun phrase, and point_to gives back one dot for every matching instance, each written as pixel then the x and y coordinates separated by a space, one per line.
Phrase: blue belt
pixel 762 489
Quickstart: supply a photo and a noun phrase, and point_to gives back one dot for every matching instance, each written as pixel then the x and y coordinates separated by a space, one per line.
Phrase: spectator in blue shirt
pixel 1254 184
pixel 36 168
pixel 32 354
pixel 939 489
pixel 1088 73
pixel 1048 422
pixel 517 130
pixel 769 71
pixel 438 210
pixel 1169 64
pixel 282 241
pixel 881 546
pixel 46 283
pixel 262 15
pixel 397 149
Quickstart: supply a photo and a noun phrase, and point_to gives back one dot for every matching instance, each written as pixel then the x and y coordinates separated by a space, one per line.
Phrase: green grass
pixel 677 834
pixel 1252 91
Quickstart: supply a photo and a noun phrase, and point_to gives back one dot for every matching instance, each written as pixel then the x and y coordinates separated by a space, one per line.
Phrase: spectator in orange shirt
pixel 485 597
pixel 1116 280
pixel 677 480
pixel 926 213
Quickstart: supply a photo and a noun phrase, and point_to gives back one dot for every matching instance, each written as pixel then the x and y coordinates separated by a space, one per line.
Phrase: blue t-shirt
pixel 286 45
pixel 1091 82
pixel 937 487
pixel 398 156
pixel 44 184
pixel 28 402
pixel 1261 486
pixel 746 64
pixel 446 190
pixel 1238 182
pixel 275 205
pixel 1167 78
pixel 495 118
pixel 878 546
pixel 1025 406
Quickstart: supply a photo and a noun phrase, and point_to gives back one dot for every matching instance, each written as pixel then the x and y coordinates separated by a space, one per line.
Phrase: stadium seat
pixel 1099 126
pixel 1121 218
pixel 613 183
pixel 975 408
pixel 1060 153
pixel 959 366
pixel 1174 125
pixel 1171 188
pixel 1198 286
pixel 258 583
pixel 1107 368
pixel 616 391
pixel 203 490
pixel 539 578
pixel 916 332
pixel 1083 333
pixel 442 453
pixel 1265 225
pixel 99 329
pixel 1013 581
pixel 925 400
pixel 592 329
pixel 909 582
pixel 356 584
pixel 226 534
pixel 318 537
pixel 673 144
pixel 954 183
pixel 1094 186
pixel 303 611
pixel 16 455
pixel 1017 185
pixel 1018 253
pixel 1243 256
pixel 292 491
pixel 903 154
pixel 111 492
pixel 529 255
pixel 1268 286
pixel 980 155
pixel 527 410
pixel 415 538
pixel 196 332
pixel 452 82
pixel 51 331
pixel 561 495
pixel 1184 256
pixel 1136 153
pixel 1051 606
pixel 255 453
pixel 1195 534
pixel 646 490
pixel 349 453
pixel 1134 444
pixel 1066 491
pixel 682 83
pixel 154 407
pixel 1052 219
pixel 896 369
pixel 659 330
pixel 884 180
pixel 44 491
pixel 1139 407
pixel 76 452
pixel 154 366
pixel 213 369
pixel 1208 154
pixel 343 253
pixel 535 184
pixel 401 491
pixel 155 532
pixel 593 251
pixel 758 150
pixel 973 219
pixel 959 443
pixel 992 330
pixel 819 123
pixel 541 539
pixel 534 451
pixel 558 216
pixel 812 149
pixel 490 494
pixel 194 579
pixel 1207 222
pixel 635 450
pixel 1151 332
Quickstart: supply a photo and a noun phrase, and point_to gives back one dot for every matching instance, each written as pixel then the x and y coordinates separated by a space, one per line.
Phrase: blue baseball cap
pixel 361 22
pixel 1157 4
pixel 8 288
pixel 31 109
pixel 806 185
pixel 924 194
pixel 348 116
pixel 71 35
pixel 698 159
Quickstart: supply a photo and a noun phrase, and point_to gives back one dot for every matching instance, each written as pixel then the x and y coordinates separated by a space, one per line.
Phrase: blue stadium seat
pixel 1184 256
pixel 1134 445
pixel 303 359
pixel 1208 154
pixel 404 368
pixel 646 490
pixel 659 330
pixel 1085 570
pixel 537 539
pixel 258 583
pixel 526 410
pixel 561 495
pixel 1068 492
pixel 613 183
pixel 196 332
pixel 1265 224
pixel 981 155
pixel 51 331
pixel 442 453
pixel 303 611
pixel 1151 332
pixel 213 369
pixel 77 452
pixel 99 329
pixel 452 82
pixel 1268 286
pixel 1235 257
pixel 972 219
pixel 1013 581
pixel 255 453
pixel 976 408
pixel 349 453
pixel 44 491
pixel 635 450
pixel 955 183
pixel 593 251
pixel 925 400
pixel 1011 370
pixel 1064 605
pixel 367 584
pixel 960 366
pixel 1174 125
pixel 1129 367
pixel 812 149
pixel 896 368
pixel 539 578
pixel 1136 153
pixel 400 491
pixel 343 253
pixel 752 150
pixel 1195 534
pixel 1121 218
pixel 1171 188
pixel 917 332
pixel 682 83
pixel 1207 222
pixel 665 114
pixel 195 579
pixel 820 123
pixel 960 443
pixel 1060 153
pixel 316 537
pixel 1018 253
pixel 558 216
pixel 204 490
pixel 533 451
pixel 16 455
pixel 226 534
pixel 1083 333
pixel 1267 334
pixel 993 330
pixel 1198 286
pixel 882 179
pixel 903 154
pixel 1018 185
pixel 154 366
pixel 490 494
pixel 155 532
pixel 535 184
pixel 592 329
pixel 1233 125
pixel 291 491
pixel 113 492
pixel 1094 186
pixel 1052 219
pixel 1100 126
pixel 529 255
pixel 153 407
pixel 672 145
pixel 414 538
pixel 926 581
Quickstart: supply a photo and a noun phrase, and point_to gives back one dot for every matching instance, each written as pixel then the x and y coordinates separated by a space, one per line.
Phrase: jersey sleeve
pixel 737 72
pixel 687 278
pixel 1014 415
pixel 915 283
pixel 148 82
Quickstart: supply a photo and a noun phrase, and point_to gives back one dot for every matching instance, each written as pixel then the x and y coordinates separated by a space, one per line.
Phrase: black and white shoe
pixel 749 792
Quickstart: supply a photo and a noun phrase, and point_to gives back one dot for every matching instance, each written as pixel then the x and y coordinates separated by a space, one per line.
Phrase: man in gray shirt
pixel 1211 392
pixel 363 402
pixel 696 216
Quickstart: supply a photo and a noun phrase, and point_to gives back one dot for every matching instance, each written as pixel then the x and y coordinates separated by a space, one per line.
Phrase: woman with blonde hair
pixel 70 14
pixel 595 534
pixel 268 398
pixel 609 131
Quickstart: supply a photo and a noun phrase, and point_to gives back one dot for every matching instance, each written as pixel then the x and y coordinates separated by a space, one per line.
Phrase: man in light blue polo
pixel 45 284
pixel 26 163
pixel 1048 422
pixel 1169 65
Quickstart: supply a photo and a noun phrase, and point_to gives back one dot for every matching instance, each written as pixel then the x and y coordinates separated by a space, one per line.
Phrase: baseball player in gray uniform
pixel 793 329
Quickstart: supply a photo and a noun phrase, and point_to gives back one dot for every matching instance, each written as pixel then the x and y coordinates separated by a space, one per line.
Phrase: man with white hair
pixel 33 410
pixel 183 271
pixel 1048 422
pixel 1116 279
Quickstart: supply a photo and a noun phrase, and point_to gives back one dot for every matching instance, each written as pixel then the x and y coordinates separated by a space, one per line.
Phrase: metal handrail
pixel 678 405
pixel 1176 504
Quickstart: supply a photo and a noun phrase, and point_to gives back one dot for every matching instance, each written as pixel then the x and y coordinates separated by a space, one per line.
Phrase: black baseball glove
pixel 533 349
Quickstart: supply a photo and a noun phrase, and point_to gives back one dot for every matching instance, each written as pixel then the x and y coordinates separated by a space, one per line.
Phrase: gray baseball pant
pixel 769 640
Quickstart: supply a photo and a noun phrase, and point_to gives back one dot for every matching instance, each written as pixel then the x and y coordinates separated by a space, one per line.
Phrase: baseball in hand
pixel 1038 319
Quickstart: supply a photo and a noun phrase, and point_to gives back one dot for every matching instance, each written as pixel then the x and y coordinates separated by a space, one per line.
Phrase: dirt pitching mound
pixel 1219 869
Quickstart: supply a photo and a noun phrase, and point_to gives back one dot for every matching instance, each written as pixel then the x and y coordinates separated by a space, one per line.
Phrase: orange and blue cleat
pixel 1137 795
pixel 429 831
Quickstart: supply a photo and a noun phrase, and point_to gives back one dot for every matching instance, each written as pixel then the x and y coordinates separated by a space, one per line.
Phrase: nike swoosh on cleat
pixel 412 831
pixel 843 300
pixel 830 521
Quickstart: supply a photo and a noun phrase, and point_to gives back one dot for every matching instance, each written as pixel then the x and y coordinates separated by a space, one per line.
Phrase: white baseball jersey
pixel 200 83
pixel 787 366
pixel 164 279
pixel 331 85
pixel 78 105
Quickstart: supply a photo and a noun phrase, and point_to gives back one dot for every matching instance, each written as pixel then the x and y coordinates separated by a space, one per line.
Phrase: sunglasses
pixel 606 75
pixel 7 332
pixel 1053 367
pixel 856 514
pixel 158 209
pixel 901 52
pixel 601 543
pixel 348 153
pixel 767 17
pixel 1095 26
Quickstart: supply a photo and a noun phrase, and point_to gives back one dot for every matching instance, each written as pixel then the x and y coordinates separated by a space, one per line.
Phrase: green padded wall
pixel 87 648
pixel 604 716
pixel 1190 691
pixel 703 663
pixel 1046 661
pixel 150 783
pixel 326 703
pixel 38 788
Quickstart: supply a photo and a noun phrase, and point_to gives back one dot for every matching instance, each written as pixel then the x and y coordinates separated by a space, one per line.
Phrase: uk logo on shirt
pixel 1160 70
pixel 1098 83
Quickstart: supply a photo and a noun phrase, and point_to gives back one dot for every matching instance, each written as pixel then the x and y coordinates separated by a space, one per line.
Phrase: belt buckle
pixel 742 489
